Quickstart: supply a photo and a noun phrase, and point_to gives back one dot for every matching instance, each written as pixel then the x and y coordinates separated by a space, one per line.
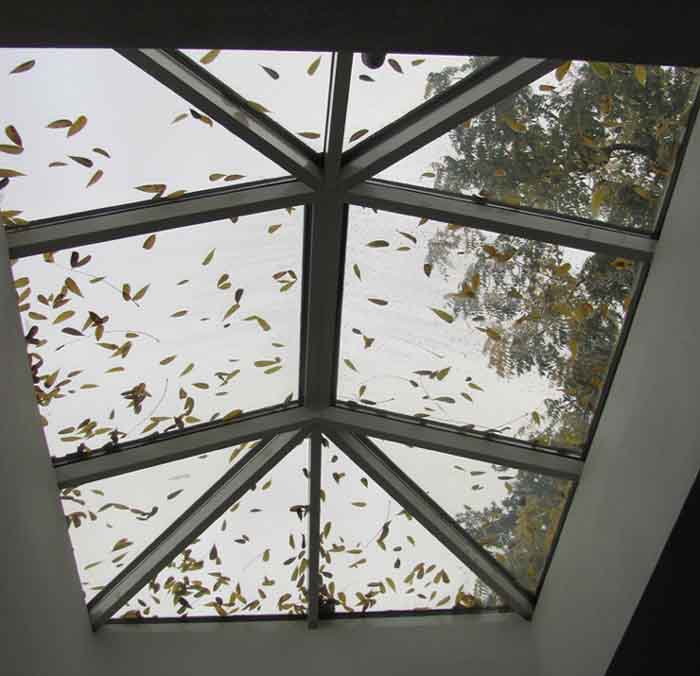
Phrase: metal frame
pixel 325 184
pixel 230 488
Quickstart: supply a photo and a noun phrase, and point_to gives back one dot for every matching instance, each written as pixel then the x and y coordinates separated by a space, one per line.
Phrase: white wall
pixel 44 626
pixel 644 460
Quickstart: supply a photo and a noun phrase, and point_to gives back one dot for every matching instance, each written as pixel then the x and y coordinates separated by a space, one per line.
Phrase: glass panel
pixel 111 521
pixel 88 129
pixel 597 141
pixel 250 561
pixel 380 96
pixel 514 514
pixel 375 556
pixel 468 328
pixel 291 87
pixel 153 333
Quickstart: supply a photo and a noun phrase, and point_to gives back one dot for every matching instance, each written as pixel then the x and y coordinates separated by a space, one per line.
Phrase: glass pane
pixel 139 139
pixel 291 87
pixel 597 141
pixel 251 561
pixel 375 556
pixel 473 329
pixel 514 514
pixel 153 333
pixel 380 96
pixel 111 521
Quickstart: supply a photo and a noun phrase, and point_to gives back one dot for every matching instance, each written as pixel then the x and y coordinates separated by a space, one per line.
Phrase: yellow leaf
pixel 560 72
pixel 179 313
pixel 597 197
pixel 516 126
pixel 77 126
pixel 445 316
pixel 73 287
pixel 95 177
pixel 640 72
pixel 23 67
pixel 150 241
pixel 152 188
pixel 357 135
pixel 309 134
pixel 499 172
pixel 493 334
pixel 232 414
pixel 142 292
pixel 63 316
pixel 10 173
pixel 11 150
pixel 274 228
pixel 313 67
pixel 209 56
pixel 59 124
pixel 208 258
pixel 266 555
pixel 601 69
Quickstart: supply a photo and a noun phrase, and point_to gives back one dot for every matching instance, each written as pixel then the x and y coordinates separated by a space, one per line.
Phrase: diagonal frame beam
pixel 196 85
pixel 387 475
pixel 230 488
pixel 441 114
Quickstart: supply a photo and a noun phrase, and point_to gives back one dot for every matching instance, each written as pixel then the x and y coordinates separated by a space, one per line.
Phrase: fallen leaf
pixel 77 126
pixel 23 67
pixel 309 134
pixel 209 56
pixel 395 65
pixel 95 177
pixel 271 72
pixel 313 67
pixel 149 242
pixel 59 124
pixel 358 135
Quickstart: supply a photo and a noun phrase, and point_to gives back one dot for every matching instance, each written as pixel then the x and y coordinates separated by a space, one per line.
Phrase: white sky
pixel 130 116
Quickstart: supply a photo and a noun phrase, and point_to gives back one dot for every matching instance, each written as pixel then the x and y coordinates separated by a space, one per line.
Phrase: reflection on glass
pixel 290 87
pixel 593 140
pixel 252 560
pixel 483 331
pixel 380 96
pixel 85 129
pixel 112 520
pixel 375 556
pixel 154 333
pixel 512 513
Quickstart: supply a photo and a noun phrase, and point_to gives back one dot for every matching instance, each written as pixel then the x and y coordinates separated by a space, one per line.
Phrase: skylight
pixel 273 385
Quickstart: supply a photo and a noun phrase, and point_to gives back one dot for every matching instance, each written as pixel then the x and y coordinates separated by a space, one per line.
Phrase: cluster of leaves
pixel 520 531
pixel 596 140
pixel 228 572
pixel 71 309
pixel 395 574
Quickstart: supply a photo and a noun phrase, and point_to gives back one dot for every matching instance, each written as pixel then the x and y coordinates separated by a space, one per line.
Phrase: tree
pixel 594 140
pixel 597 140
